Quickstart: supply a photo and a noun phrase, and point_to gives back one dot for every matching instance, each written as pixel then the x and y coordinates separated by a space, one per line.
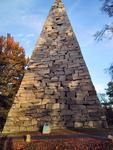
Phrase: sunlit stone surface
pixel 57 87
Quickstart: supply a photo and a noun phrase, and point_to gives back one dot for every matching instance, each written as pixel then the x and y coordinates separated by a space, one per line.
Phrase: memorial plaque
pixel 46 129
pixel 28 138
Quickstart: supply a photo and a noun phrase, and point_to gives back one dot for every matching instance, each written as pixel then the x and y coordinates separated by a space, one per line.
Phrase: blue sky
pixel 24 20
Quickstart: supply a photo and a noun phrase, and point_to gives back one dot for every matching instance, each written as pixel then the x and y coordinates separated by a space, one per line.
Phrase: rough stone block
pixel 62 78
pixel 78 124
pixel 56 106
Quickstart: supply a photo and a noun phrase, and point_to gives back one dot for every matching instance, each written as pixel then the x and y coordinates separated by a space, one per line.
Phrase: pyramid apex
pixel 58 1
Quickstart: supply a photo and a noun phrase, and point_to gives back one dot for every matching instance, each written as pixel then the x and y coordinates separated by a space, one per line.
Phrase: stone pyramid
pixel 57 87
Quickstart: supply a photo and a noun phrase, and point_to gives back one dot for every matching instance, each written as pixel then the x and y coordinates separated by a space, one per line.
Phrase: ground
pixel 73 139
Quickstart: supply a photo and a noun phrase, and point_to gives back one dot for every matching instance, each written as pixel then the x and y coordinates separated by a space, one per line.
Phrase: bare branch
pixel 108 7
pixel 106 32
pixel 111 71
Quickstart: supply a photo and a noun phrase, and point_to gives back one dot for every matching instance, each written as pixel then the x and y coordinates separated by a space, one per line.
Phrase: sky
pixel 24 20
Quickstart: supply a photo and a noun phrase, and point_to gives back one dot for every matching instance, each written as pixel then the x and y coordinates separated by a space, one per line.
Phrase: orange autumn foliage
pixel 12 65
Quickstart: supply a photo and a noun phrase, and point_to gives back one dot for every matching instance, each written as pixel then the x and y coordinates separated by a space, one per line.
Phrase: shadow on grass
pixel 9 144
pixel 6 143
pixel 5 105
pixel 3 142
pixel 93 131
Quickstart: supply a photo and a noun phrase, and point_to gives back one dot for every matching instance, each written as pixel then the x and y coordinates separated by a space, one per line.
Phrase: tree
pixel 107 31
pixel 12 68
pixel 107 7
pixel 111 71
pixel 109 92
pixel 109 108
pixel 12 65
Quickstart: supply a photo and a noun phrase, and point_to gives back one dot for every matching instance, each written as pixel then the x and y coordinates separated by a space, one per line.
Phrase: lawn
pixel 77 139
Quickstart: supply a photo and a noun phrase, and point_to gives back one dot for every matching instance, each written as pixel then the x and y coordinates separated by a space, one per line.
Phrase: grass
pixel 61 144
pixel 63 131
pixel 68 144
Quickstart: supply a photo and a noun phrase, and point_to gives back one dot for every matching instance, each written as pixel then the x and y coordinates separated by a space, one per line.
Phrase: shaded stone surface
pixel 57 87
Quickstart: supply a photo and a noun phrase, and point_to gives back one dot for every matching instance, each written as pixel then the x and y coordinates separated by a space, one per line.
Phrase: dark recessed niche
pixel 69 106
pixel 49 35
pixel 92 93
pixel 63 40
pixel 56 100
pixel 75 94
pixel 34 87
pixel 59 24
pixel 29 88
pixel 65 94
pixel 57 33
pixel 28 68
pixel 53 28
pixel 57 18
pixel 86 104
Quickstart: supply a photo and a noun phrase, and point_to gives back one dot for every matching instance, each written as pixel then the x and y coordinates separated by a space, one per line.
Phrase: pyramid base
pixel 31 128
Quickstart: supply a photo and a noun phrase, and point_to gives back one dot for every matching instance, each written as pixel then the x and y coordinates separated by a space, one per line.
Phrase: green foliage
pixel 109 91
pixel 109 110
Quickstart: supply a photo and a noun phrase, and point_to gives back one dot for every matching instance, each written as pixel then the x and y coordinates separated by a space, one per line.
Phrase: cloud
pixel 18 14
pixel 30 35
pixel 100 88
pixel 27 42
pixel 32 22
pixel 24 36
pixel 20 35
